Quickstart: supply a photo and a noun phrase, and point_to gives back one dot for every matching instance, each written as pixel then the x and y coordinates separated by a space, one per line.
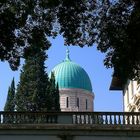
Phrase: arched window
pixel 86 104
pixel 78 102
pixel 67 102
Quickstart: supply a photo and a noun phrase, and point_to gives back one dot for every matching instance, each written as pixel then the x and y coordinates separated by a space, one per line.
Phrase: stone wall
pixel 72 95
pixel 69 132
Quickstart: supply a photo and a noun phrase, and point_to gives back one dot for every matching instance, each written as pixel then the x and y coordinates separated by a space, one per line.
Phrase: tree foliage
pixel 10 102
pixel 35 91
pixel 119 37
pixel 31 89
pixel 23 22
pixel 53 96
pixel 113 25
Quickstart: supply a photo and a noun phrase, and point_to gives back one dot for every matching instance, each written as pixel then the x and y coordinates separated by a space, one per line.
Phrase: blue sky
pixel 88 58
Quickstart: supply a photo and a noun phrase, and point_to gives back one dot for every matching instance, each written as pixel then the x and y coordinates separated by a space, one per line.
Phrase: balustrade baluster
pixel 41 118
pixel 15 116
pixel 128 119
pixel 106 119
pixel 97 117
pixel 80 119
pixel 133 117
pixel 87 116
pixel 76 119
pixel 46 118
pixel 93 119
pixel 1 118
pixel 54 116
pixel 89 119
pixel 20 119
pixel 36 118
pixel 115 121
pixel 29 119
pixel 119 119
pixel 123 119
pixel 24 116
pixel 85 119
pixel 110 119
pixel 56 119
pixel 50 116
pixel 137 119
pixel 101 119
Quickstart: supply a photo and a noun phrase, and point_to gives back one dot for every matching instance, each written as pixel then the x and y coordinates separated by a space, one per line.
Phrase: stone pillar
pixel 125 99
pixel 130 88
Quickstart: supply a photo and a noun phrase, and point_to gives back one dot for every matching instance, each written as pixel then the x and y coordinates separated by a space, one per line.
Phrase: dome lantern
pixel 67 55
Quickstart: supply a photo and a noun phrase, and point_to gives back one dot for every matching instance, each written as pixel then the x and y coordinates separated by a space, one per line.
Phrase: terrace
pixel 69 125
pixel 88 118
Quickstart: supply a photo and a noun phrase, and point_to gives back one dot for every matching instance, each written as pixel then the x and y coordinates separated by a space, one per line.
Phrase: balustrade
pixel 89 118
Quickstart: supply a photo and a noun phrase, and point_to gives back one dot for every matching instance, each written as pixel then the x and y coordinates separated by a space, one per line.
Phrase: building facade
pixel 74 86
pixel 131 94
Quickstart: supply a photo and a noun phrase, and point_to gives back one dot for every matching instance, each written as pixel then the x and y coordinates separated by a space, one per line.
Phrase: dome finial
pixel 67 54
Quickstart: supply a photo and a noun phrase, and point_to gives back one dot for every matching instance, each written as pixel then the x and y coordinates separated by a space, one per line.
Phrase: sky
pixel 88 58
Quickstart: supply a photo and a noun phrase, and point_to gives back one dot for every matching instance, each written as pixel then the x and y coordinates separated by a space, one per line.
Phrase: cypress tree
pixel 10 103
pixel 57 98
pixel 49 103
pixel 54 94
pixel 31 90
pixel 35 92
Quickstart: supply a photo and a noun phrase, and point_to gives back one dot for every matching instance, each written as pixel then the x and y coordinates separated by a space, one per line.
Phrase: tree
pixel 57 99
pixel 31 89
pixel 35 91
pixel 10 102
pixel 113 25
pixel 119 37
pixel 25 22
pixel 53 102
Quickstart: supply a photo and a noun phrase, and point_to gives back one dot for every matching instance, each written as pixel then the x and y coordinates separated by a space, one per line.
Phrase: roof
pixel 116 84
pixel 70 75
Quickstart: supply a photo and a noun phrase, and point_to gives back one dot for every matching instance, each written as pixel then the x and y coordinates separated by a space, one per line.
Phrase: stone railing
pixel 89 118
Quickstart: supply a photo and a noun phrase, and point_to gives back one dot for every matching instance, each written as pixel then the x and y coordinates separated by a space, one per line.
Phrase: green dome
pixel 70 75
